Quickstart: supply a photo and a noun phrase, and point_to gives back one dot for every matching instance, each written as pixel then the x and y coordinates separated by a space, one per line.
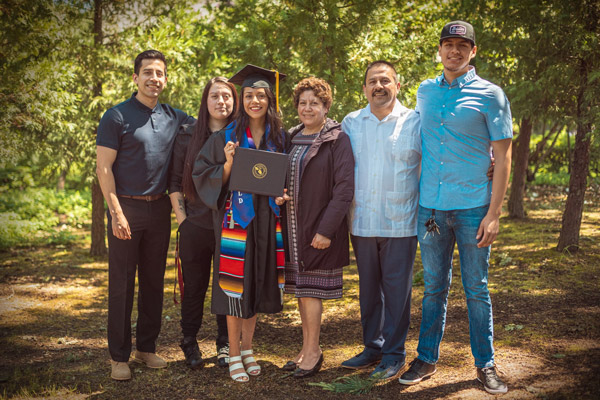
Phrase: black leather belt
pixel 152 197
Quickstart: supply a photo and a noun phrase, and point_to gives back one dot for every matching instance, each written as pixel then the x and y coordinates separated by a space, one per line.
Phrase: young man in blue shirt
pixel 134 145
pixel 462 116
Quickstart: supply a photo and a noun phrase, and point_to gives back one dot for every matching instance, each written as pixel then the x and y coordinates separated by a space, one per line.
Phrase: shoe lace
pixel 223 350
pixel 500 370
pixel 490 373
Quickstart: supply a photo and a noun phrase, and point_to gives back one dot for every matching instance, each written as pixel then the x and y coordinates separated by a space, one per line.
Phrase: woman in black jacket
pixel 320 190
pixel 197 240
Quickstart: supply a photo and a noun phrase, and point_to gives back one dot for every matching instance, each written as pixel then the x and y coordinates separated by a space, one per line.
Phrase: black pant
pixel 150 224
pixel 196 250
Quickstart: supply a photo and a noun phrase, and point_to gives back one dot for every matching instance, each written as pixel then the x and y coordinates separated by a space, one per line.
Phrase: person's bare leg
pixel 234 331
pixel 301 308
pixel 248 326
pixel 311 319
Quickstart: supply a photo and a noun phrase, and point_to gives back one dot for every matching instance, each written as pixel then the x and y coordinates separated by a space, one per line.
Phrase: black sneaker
pixel 191 351
pixel 223 355
pixel 491 382
pixel 418 371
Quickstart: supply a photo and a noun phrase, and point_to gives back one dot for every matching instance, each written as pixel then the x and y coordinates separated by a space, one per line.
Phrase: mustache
pixel 378 91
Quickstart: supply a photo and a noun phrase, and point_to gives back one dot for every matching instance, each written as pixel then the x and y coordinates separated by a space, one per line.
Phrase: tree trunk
pixel 60 185
pixel 517 188
pixel 571 221
pixel 569 158
pixel 98 246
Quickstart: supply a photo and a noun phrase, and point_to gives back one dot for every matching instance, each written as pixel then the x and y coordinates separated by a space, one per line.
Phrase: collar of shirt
pixel 460 81
pixel 157 108
pixel 398 110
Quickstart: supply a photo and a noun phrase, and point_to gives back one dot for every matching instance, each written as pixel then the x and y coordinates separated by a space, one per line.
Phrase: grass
pixel 546 307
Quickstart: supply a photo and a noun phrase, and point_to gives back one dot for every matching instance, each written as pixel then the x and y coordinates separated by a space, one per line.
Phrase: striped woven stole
pixel 233 250
pixel 280 256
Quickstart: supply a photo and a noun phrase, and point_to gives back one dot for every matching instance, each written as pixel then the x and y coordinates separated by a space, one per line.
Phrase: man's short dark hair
pixel 380 62
pixel 148 55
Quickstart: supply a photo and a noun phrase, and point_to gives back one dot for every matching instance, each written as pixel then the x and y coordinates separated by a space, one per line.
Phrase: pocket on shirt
pixel 407 149
pixel 399 206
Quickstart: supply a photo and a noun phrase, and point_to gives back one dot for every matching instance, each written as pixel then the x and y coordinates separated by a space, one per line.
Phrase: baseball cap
pixel 458 29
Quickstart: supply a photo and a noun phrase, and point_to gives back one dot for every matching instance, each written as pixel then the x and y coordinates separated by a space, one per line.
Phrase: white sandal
pixel 253 370
pixel 240 376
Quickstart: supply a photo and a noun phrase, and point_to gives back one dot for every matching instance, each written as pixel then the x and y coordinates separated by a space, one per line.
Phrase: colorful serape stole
pixel 280 256
pixel 233 249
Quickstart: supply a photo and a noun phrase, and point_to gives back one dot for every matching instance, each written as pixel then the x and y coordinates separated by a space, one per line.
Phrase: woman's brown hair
pixel 202 132
pixel 320 88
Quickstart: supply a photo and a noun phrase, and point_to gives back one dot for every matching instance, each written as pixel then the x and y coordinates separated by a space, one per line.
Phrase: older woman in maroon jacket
pixel 319 193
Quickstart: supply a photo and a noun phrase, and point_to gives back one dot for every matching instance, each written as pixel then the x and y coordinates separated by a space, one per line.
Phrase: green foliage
pixel 14 231
pixel 41 216
pixel 512 327
pixel 39 100
pixel 504 259
pixel 548 178
pixel 348 384
pixel 546 56
pixel 419 277
pixel 329 39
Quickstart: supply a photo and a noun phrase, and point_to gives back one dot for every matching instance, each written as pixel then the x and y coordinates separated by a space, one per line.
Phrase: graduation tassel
pixel 277 90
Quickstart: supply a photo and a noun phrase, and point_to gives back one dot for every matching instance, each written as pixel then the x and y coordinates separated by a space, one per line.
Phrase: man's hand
pixel 488 230
pixel 490 171
pixel 320 242
pixel 120 227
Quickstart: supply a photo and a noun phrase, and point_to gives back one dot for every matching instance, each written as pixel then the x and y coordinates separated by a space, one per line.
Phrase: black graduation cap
pixel 257 77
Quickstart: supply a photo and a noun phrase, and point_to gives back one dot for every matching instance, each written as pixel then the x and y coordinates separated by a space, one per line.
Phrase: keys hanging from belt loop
pixel 432 227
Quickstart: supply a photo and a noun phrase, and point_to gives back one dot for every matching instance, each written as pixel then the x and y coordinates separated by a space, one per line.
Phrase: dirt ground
pixel 53 309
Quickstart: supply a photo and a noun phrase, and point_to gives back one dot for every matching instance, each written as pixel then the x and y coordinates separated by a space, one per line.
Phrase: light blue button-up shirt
pixel 458 123
pixel 387 157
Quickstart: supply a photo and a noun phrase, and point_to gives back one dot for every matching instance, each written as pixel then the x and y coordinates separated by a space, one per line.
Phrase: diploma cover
pixel 258 172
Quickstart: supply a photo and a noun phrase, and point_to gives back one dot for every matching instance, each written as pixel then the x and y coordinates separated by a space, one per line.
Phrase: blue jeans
pixel 460 227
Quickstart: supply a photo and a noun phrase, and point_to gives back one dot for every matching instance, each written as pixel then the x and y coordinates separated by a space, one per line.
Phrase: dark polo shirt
pixel 143 138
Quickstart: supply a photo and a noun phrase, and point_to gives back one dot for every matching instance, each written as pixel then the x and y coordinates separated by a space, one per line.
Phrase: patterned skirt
pixel 318 283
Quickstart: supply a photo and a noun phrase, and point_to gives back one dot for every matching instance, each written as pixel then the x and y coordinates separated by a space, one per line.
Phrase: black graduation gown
pixel 261 292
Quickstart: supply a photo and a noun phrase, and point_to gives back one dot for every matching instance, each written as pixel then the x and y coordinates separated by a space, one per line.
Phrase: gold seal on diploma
pixel 259 170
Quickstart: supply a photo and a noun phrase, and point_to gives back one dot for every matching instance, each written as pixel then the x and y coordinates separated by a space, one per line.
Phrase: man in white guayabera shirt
pixel 387 150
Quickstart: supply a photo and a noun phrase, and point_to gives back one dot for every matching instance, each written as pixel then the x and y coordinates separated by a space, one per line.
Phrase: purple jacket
pixel 325 196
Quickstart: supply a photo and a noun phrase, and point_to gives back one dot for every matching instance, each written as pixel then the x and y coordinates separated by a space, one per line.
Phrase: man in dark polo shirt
pixel 134 144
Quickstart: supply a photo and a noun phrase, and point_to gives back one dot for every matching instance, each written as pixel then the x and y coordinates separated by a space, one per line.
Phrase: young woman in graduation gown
pixel 248 268
pixel 196 235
